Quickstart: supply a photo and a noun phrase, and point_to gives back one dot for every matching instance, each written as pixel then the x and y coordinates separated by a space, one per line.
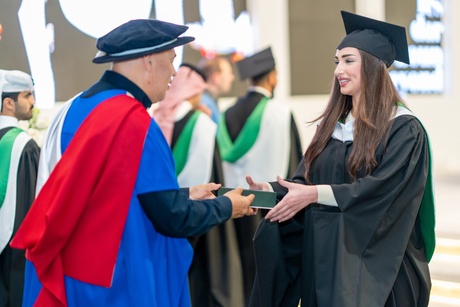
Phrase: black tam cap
pixel 257 64
pixel 139 37
pixel 383 40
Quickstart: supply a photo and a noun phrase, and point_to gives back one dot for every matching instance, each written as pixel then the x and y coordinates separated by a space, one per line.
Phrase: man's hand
pixel 203 191
pixel 240 203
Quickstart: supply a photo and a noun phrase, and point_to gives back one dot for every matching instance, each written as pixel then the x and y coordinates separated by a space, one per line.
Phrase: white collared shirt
pixel 261 90
pixel 8 121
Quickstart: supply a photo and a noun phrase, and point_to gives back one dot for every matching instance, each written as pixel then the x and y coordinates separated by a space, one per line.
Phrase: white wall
pixel 439 113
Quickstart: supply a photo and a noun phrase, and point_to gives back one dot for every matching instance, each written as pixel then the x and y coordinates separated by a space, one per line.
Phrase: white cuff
pixel 326 196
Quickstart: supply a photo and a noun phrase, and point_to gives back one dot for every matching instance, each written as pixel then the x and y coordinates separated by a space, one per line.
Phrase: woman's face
pixel 348 71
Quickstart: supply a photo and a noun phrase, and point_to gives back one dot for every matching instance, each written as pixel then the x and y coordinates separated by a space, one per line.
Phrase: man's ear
pixel 272 78
pixel 147 62
pixel 7 104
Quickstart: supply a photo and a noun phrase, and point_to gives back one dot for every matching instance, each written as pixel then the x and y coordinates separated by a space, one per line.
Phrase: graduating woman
pixel 355 225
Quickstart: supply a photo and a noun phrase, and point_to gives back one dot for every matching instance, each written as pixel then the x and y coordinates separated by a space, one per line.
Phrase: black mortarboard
pixel 139 37
pixel 257 64
pixel 383 40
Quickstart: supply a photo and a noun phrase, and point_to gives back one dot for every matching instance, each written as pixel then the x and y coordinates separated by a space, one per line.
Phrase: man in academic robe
pixel 109 225
pixel 19 155
pixel 257 137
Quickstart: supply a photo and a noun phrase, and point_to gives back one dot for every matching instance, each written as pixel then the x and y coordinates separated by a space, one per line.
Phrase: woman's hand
pixel 298 197
pixel 258 186
pixel 203 191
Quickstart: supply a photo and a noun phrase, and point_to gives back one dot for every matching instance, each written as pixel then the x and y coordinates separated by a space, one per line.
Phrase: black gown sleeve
pixel 26 181
pixel 173 214
pixel 217 174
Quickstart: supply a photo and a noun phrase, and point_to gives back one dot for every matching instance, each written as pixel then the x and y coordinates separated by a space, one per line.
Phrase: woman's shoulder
pixel 409 124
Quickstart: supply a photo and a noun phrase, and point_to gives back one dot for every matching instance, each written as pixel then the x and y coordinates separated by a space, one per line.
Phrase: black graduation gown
pixel 215 274
pixel 235 118
pixel 368 251
pixel 12 261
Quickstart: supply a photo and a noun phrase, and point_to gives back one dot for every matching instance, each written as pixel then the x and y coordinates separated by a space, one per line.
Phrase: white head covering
pixel 15 81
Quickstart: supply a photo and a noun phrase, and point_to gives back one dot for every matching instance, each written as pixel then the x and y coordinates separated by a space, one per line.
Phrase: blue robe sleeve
pixel 174 215
pixel 169 208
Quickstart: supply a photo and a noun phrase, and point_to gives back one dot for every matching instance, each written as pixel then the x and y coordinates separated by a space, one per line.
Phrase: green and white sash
pixel 262 148
pixel 182 146
pixel 11 147
pixel 193 151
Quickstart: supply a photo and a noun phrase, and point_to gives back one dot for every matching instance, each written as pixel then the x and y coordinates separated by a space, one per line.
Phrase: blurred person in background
pixel 19 156
pixel 215 275
pixel 219 79
pixel 257 136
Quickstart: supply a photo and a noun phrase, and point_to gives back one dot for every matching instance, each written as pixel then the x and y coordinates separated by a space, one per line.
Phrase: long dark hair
pixel 372 123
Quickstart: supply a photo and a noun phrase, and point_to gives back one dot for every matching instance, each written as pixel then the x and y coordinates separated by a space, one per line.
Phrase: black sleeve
pixel 217 174
pixel 173 214
pixel 26 181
